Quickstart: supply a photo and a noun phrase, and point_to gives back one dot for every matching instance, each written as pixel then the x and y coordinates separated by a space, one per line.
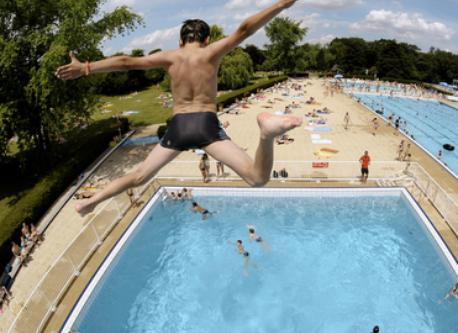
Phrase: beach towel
pixel 130 113
pixel 322 142
pixel 320 129
pixel 315 137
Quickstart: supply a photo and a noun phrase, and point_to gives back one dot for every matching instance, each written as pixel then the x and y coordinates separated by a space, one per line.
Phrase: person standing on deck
pixel 346 120
pixel 365 160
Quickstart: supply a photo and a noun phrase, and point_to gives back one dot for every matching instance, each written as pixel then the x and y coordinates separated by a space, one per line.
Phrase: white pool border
pixel 249 192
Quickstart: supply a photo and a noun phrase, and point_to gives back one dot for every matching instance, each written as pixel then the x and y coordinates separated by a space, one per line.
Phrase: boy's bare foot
pixel 84 207
pixel 272 126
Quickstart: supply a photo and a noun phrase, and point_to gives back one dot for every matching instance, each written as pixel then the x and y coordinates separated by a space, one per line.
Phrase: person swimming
pixel 253 236
pixel 196 208
pixel 452 293
pixel 241 249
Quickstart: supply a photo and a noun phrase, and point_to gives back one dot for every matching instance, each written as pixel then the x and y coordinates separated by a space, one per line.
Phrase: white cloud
pixel 116 3
pixel 158 39
pixel 323 40
pixel 404 26
pixel 240 4
pixel 331 4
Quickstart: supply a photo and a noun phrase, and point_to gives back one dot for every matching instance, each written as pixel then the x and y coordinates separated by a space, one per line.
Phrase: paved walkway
pixel 244 131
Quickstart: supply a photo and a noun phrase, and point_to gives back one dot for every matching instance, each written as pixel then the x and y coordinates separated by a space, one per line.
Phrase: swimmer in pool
pixel 254 237
pixel 241 249
pixel 196 208
pixel 452 293
pixel 193 70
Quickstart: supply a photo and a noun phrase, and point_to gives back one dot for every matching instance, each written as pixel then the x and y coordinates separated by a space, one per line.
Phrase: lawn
pixel 142 108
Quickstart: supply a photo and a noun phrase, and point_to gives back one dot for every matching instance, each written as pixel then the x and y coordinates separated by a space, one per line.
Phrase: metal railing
pixel 444 203
pixel 48 292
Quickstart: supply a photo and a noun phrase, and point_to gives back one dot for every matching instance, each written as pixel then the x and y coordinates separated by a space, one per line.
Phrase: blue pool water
pixel 147 140
pixel 335 265
pixel 432 124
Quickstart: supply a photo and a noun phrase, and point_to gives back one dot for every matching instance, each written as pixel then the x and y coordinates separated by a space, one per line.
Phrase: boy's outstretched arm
pixel 76 68
pixel 248 28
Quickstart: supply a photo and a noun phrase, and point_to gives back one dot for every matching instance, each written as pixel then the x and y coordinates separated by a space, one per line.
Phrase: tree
pixel 284 35
pixel 236 70
pixel 216 33
pixel 155 75
pixel 350 54
pixel 35 38
pixel 137 79
pixel 257 55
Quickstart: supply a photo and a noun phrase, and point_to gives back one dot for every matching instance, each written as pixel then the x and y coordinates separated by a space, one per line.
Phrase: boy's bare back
pixel 193 72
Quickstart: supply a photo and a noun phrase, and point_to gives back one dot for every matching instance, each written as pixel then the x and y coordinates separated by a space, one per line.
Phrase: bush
pixel 82 150
pixel 230 98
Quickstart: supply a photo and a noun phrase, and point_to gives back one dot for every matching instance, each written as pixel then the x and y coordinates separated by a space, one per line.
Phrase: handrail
pixel 89 224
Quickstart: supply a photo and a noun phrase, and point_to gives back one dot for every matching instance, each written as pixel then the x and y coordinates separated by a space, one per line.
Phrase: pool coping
pixel 421 217
pixel 442 164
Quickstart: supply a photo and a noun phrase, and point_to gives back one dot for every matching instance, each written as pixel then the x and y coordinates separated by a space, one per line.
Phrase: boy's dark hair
pixel 194 31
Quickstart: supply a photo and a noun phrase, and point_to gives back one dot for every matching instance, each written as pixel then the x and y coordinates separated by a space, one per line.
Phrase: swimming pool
pixel 340 261
pixel 431 123
pixel 147 140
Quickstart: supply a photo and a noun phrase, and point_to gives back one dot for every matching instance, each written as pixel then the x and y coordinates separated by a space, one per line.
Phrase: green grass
pixel 146 102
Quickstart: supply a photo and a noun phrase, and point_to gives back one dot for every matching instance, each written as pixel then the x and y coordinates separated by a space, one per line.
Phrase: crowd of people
pixel 392 89
pixel 21 250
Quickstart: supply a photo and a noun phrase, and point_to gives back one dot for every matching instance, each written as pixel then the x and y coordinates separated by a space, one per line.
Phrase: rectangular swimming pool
pixel 429 123
pixel 337 261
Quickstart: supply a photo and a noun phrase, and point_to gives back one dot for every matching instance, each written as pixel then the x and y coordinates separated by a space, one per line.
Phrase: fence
pixel 48 292
pixel 441 200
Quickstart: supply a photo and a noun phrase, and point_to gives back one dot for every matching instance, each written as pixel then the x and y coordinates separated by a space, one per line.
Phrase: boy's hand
pixel 71 71
pixel 287 3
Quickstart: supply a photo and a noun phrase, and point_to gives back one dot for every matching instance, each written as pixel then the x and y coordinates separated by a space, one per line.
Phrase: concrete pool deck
pixel 244 131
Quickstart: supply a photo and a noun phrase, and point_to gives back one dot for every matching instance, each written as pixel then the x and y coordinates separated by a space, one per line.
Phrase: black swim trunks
pixel 259 239
pixel 364 171
pixel 193 131
pixel 246 254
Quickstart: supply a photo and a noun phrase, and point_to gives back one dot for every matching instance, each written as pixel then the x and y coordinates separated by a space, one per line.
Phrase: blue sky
pixel 425 23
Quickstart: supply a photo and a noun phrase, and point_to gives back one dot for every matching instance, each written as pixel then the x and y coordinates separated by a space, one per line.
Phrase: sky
pixel 425 23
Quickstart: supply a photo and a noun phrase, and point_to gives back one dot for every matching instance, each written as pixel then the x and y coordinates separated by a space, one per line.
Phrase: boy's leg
pixel 156 159
pixel 257 172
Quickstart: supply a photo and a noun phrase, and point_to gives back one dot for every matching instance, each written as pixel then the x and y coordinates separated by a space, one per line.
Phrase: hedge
pixel 229 98
pixel 82 150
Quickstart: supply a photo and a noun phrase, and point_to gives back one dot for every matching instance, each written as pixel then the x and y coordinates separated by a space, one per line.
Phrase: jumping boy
pixel 193 70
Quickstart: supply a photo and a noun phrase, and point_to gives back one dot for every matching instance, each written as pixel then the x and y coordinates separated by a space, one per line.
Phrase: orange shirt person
pixel 365 160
